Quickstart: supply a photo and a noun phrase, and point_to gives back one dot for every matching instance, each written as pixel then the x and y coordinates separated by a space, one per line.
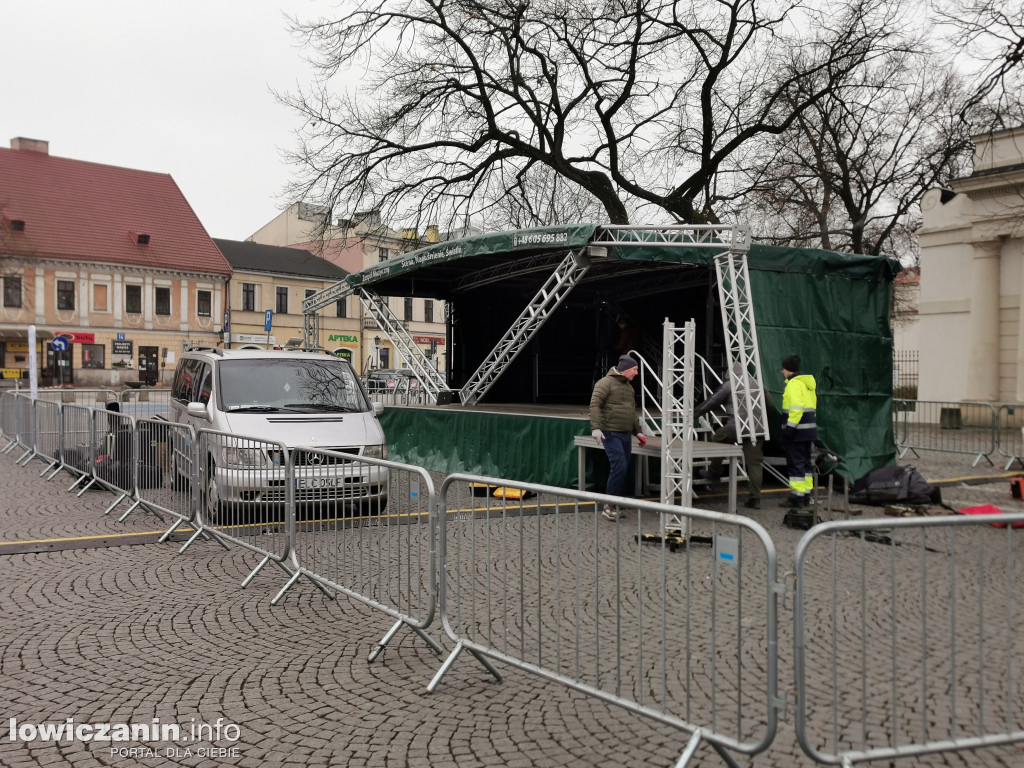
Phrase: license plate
pixel 317 482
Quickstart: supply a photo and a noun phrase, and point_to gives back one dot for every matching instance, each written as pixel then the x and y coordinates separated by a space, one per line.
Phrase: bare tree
pixel 989 34
pixel 641 104
pixel 537 197
pixel 849 173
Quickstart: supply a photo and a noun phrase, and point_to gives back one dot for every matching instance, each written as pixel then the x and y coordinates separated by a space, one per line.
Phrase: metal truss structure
pixel 731 243
pixel 734 237
pixel 430 379
pixel 550 296
pixel 311 330
pixel 744 360
pixel 677 431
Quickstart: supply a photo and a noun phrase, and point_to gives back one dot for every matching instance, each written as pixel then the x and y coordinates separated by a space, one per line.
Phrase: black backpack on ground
pixel 895 485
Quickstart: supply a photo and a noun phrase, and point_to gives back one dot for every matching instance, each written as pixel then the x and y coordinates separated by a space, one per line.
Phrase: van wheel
pixel 211 496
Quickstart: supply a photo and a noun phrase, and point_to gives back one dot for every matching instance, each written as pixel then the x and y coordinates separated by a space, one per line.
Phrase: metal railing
pixel 49 436
pixel 8 420
pixel 907 637
pixel 658 625
pixel 907 631
pixel 114 458
pixel 25 425
pixel 1010 434
pixel 367 528
pixel 145 403
pixel 163 477
pixel 244 494
pixel 78 443
pixel 406 392
pixel 951 427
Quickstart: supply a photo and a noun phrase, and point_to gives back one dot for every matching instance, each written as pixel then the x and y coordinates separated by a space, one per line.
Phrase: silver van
pixel 296 399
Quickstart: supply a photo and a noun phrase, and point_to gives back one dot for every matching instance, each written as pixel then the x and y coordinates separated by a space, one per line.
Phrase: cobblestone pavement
pixel 125 631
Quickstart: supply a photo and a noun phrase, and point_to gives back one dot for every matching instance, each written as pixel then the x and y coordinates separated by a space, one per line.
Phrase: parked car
pixel 291 398
pixel 402 379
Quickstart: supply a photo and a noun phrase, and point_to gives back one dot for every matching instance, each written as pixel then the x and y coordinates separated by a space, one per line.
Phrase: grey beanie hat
pixel 625 363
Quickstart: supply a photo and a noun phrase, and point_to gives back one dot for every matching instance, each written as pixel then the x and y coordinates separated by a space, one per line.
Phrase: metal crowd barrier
pixel 367 528
pixel 964 427
pixel 158 486
pixel 86 397
pixel 403 394
pixel 907 637
pixel 145 403
pixel 244 495
pixel 78 443
pixel 660 626
pixel 8 420
pixel 113 464
pixel 1010 434
pixel 49 436
pixel 25 424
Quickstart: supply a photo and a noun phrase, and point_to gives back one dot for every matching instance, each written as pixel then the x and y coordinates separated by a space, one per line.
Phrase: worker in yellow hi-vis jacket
pixel 799 430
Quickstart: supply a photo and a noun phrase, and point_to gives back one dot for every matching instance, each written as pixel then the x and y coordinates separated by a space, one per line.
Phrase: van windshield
pixel 304 386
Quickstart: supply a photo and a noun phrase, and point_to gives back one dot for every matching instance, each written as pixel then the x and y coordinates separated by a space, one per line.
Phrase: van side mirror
pixel 197 410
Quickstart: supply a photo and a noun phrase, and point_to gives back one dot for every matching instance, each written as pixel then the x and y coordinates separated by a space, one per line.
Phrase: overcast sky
pixel 179 87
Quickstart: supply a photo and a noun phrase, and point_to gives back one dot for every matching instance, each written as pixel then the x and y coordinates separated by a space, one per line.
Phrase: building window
pixel 162 301
pixel 282 300
pixel 408 309
pixel 204 303
pixel 12 291
pixel 65 294
pixel 428 311
pixel 342 308
pixel 383 254
pixel 133 299
pixel 99 298
pixel 248 297
pixel 93 355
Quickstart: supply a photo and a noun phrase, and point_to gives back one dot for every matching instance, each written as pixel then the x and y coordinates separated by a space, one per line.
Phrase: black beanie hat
pixel 792 363
pixel 625 363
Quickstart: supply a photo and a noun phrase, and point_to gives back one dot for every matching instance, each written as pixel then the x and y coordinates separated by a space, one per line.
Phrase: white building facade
pixel 971 328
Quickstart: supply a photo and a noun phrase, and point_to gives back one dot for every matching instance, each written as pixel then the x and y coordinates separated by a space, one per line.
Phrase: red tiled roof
pixel 90 212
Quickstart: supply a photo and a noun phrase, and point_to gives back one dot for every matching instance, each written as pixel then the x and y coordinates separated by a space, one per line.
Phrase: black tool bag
pixel 894 485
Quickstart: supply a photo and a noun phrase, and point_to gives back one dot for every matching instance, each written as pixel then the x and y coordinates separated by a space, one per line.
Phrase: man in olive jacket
pixel 613 421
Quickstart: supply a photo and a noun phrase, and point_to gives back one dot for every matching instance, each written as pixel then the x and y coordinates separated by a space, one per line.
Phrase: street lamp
pixel 376 344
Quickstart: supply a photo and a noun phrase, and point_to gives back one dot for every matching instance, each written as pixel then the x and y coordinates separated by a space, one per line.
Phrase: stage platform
pixel 515 441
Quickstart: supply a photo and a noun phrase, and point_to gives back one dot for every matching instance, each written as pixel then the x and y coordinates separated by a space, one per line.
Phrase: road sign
pixel 59 344
pixel 267 320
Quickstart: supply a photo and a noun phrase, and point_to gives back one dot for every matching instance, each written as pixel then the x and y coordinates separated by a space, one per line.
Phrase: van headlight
pixel 243 458
pixel 376 451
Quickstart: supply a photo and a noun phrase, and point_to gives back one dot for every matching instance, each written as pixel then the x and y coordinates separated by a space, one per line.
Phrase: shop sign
pixel 252 338
pixel 342 338
pixel 428 339
pixel 77 338
pixel 122 354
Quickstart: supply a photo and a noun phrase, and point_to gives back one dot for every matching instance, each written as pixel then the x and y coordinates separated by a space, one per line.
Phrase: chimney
pixel 409 233
pixel 30 145
pixel 432 234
